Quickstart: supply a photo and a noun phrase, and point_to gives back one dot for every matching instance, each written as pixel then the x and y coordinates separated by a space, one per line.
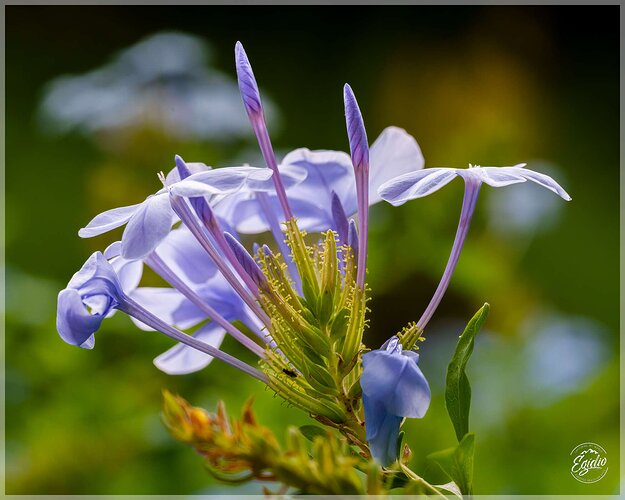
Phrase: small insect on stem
pixel 290 373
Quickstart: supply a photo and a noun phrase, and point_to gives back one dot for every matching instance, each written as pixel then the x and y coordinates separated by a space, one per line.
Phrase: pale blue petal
pixel 397 381
pixel 221 296
pixel 545 181
pixel 394 153
pixel 417 184
pixel 182 253
pixel 113 250
pixel 382 430
pixel 106 221
pixel 328 171
pixel 129 272
pixel 182 359
pixel 169 305
pixel 148 227
pixel 498 176
pixel 243 212
pixel 224 180
pixel 96 277
pixel 292 174
pixel 74 323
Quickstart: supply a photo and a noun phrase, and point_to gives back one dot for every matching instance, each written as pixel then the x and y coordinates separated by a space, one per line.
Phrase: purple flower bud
pixel 247 82
pixel 267 251
pixel 356 132
pixel 183 170
pixel 341 223
pixel 247 262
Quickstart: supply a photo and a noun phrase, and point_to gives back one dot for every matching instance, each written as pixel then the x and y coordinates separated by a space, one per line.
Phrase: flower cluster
pixel 304 300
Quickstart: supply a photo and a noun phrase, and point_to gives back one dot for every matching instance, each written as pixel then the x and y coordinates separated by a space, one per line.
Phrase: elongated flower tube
pixel 393 387
pixel 419 184
pixel 212 224
pixel 190 220
pixel 359 147
pixel 95 291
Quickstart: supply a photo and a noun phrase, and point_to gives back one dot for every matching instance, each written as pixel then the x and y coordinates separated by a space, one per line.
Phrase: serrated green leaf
pixel 312 431
pixel 458 389
pixel 457 463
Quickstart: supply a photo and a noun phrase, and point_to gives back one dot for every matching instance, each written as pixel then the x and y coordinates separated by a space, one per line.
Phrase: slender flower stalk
pixel 471 192
pixel 164 271
pixel 254 108
pixel 212 224
pixel 199 231
pixel 359 148
pixel 421 183
pixel 135 310
pixel 95 291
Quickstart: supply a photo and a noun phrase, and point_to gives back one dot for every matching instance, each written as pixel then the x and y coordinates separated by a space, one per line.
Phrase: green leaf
pixel 458 390
pixel 310 432
pixel 457 463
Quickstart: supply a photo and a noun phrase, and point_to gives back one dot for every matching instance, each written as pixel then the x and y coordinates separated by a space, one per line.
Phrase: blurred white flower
pixel 164 81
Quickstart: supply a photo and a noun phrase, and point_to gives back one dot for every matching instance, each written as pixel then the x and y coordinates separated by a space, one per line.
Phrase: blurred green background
pixel 485 85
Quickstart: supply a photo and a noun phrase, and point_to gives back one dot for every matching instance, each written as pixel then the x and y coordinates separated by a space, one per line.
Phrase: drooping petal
pixel 394 153
pixel 107 221
pixel 74 323
pixel 396 380
pixel 149 225
pixel 545 181
pixel 382 430
pixel 417 184
pixel 182 359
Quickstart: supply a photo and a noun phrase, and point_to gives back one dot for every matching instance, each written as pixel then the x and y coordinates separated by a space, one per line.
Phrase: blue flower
pixel 91 294
pixel 393 387
pixel 149 222
pixel 414 185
